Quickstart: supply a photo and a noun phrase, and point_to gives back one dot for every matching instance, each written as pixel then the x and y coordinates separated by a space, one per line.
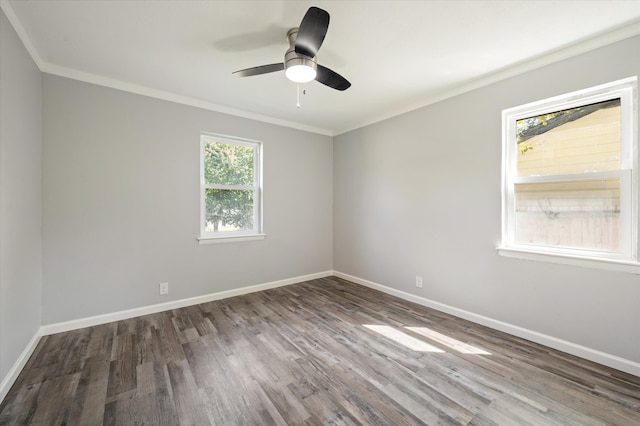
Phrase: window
pixel 230 188
pixel 570 177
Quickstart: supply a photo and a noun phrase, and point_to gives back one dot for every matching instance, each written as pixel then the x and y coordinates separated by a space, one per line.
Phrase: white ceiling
pixel 398 55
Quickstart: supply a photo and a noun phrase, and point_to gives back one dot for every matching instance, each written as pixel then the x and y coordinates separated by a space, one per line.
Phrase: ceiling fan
pixel 300 63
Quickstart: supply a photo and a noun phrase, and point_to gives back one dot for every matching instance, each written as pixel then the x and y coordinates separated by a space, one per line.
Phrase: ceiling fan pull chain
pixel 298 95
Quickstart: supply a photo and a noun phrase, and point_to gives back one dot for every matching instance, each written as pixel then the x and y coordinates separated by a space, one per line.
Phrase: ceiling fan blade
pixel 311 31
pixel 262 69
pixel 331 78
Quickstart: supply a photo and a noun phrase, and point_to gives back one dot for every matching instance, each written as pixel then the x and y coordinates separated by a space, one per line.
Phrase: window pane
pixel 581 214
pixel 228 164
pixel 577 140
pixel 228 210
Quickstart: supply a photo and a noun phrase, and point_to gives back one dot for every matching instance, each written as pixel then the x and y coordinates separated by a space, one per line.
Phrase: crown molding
pixel 557 55
pixel 22 33
pixel 574 49
pixel 100 80
pixel 112 83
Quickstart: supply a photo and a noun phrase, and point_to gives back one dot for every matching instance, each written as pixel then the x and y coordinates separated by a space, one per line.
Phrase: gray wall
pixel 121 202
pixel 415 195
pixel 20 197
pixel 419 194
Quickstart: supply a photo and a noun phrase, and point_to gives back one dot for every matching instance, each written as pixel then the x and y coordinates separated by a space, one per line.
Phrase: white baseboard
pixel 60 327
pixel 174 304
pixel 603 358
pixel 17 367
pixel 613 361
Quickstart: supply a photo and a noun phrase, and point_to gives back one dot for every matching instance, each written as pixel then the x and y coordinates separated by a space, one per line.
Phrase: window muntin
pixel 570 174
pixel 230 186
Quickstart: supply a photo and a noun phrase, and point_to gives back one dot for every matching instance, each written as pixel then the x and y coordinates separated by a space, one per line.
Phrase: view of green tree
pixel 229 164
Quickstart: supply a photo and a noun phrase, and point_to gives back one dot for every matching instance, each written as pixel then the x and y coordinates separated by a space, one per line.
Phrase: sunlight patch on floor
pixel 403 338
pixel 418 345
pixel 454 344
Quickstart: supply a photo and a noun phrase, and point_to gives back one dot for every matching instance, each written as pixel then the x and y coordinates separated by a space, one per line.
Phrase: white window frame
pixel 232 236
pixel 627 259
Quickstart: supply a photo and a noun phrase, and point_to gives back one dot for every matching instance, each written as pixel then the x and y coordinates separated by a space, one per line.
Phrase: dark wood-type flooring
pixel 325 351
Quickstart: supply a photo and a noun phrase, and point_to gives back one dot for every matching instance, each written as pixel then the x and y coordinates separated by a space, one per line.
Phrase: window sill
pixel 230 239
pixel 568 259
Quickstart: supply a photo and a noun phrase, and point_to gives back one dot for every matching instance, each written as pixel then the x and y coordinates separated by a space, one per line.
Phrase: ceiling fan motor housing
pixel 294 59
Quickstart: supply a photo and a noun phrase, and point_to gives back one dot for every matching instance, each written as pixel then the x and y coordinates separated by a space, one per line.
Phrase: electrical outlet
pixel 164 288
pixel 419 282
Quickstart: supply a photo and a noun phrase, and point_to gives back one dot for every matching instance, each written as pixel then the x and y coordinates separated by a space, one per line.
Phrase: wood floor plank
pixel 321 352
pixel 88 402
pixel 122 369
pixel 88 406
pixel 189 410
pixel 54 400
